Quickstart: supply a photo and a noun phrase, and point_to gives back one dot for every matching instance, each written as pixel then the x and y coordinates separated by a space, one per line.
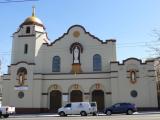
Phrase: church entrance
pixel 76 96
pixel 98 96
pixel 55 100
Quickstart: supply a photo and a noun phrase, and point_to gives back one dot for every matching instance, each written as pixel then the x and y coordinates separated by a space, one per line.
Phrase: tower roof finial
pixel 33 10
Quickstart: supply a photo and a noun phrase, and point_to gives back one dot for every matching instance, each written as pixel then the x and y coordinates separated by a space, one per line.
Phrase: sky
pixel 131 22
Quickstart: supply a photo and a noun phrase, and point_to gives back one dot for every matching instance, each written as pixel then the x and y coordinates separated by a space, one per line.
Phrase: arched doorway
pixel 76 96
pixel 98 96
pixel 55 100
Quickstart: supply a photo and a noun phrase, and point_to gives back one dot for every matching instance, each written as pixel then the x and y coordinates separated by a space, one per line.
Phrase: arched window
pixel 28 30
pixel 97 63
pixel 56 63
pixel 25 49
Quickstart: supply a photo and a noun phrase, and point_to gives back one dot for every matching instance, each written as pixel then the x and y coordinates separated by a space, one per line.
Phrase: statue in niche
pixel 21 79
pixel 132 75
pixel 21 76
pixel 76 55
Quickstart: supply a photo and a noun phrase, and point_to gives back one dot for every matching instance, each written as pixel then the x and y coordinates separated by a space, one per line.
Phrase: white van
pixel 78 108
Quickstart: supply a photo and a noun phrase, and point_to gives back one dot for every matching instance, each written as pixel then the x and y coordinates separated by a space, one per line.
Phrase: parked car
pixel 128 108
pixel 5 111
pixel 75 108
pixel 93 108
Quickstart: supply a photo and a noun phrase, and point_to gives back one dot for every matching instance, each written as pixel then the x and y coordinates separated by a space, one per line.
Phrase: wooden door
pixel 98 96
pixel 55 100
pixel 76 96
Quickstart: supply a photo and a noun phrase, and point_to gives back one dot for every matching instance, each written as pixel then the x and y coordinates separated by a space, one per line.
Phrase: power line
pixel 13 1
pixel 118 45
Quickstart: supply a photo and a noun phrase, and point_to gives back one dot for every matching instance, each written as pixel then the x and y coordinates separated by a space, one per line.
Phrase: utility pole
pixel 0 83
pixel 0 68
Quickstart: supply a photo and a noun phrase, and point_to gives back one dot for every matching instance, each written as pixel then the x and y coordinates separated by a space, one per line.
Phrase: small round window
pixel 21 94
pixel 134 93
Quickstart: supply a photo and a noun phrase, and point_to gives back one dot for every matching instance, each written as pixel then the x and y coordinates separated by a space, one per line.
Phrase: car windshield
pixel 93 104
pixel 68 105
pixel 116 105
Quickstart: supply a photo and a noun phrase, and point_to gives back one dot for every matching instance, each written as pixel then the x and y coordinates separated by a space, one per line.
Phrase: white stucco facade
pixel 32 82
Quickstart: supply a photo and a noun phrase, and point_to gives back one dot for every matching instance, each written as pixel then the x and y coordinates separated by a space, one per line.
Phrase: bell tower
pixel 26 45
pixel 28 39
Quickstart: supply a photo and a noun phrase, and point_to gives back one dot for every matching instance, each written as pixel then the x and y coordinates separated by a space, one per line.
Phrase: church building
pixel 76 67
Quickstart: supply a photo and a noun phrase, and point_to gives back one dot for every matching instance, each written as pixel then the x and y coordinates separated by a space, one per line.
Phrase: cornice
pixel 23 62
pixel 131 58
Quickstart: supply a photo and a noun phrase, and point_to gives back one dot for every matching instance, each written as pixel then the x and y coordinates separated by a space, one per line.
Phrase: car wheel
pixel 83 113
pixel 6 116
pixel 62 114
pixel 0 114
pixel 94 114
pixel 108 112
pixel 129 112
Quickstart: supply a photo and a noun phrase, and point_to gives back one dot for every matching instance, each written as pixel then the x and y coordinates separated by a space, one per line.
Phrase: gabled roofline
pixel 131 58
pixel 94 37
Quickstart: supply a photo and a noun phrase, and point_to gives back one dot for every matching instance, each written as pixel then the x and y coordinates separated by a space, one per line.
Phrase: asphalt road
pixel 137 116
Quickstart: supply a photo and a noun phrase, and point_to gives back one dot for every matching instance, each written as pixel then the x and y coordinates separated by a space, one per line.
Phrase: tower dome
pixel 32 20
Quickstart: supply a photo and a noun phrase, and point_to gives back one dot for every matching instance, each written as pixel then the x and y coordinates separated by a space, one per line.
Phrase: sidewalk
pixel 56 115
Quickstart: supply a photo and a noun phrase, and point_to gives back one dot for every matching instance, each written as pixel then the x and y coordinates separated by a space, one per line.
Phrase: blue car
pixel 127 108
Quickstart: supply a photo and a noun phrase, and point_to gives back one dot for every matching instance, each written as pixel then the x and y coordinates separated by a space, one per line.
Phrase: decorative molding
pixel 55 86
pixel 6 79
pixel 108 93
pixel 44 93
pixel 86 93
pixel 132 58
pixel 76 78
pixel 136 77
pixel 113 71
pixel 114 77
pixel 76 34
pixel 23 62
pixel 151 70
pixel 98 86
pixel 151 76
pixel 78 73
pixel 76 86
pixel 74 45
pixel 32 35
pixel 32 23
pixel 65 93
pixel 134 70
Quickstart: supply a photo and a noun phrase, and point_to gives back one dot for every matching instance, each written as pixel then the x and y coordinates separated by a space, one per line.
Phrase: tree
pixel 155 45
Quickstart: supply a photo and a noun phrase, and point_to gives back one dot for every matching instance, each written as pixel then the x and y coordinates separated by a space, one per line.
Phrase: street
pixel 137 116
